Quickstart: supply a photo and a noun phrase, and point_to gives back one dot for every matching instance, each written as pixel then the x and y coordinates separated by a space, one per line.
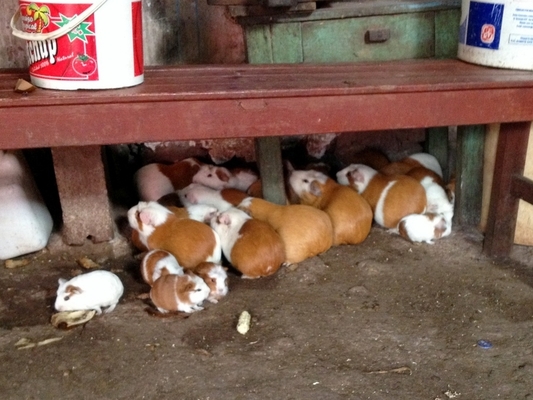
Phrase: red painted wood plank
pixel 220 101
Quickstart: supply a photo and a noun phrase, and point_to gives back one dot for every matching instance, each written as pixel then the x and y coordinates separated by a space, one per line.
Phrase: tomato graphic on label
pixel 84 65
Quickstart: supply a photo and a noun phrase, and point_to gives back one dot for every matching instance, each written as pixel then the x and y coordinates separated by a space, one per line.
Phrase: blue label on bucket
pixel 484 25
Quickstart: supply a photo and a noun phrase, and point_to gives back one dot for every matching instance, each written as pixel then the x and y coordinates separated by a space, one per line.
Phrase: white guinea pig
pixel 90 291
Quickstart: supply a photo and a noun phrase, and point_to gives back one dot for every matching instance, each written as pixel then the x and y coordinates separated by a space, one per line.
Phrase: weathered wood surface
pixel 183 102
pixel 507 185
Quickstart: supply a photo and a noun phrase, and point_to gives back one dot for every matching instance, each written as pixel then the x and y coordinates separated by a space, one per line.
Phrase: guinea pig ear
pixel 223 174
pixel 73 290
pixel 315 189
pixel 224 219
pixel 357 176
pixel 146 217
pixel 189 287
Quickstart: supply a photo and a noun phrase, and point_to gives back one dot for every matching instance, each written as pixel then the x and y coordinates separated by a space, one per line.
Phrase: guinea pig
pixel 216 277
pixel 184 293
pixel 201 212
pixel 406 164
pixel 391 197
pixel 222 199
pixel 350 214
pixel 159 262
pixel 252 246
pixel 156 180
pixel 91 291
pixel 306 231
pixel 422 227
pixel 218 178
pixel 438 202
pixel 190 241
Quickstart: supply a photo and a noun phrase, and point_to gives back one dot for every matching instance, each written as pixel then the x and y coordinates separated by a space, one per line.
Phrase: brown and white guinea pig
pixel 350 214
pixel 422 227
pixel 222 199
pixel 391 197
pixel 184 293
pixel 216 277
pixel 306 231
pixel 252 246
pixel 159 262
pixel 406 164
pixel 190 241
pixel 438 202
pixel 156 180
pixel 217 177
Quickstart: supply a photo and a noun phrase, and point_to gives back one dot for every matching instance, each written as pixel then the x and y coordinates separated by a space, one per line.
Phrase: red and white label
pixel 488 33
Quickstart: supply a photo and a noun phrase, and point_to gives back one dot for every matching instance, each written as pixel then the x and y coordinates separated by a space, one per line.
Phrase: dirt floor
pixel 383 320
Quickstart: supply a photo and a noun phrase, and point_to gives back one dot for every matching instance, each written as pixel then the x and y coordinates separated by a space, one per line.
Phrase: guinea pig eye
pixel 306 180
pixel 67 298
pixel 209 175
pixel 198 290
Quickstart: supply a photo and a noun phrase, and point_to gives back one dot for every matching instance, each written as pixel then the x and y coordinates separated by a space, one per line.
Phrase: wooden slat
pixel 503 209
pixel 199 102
pixel 522 188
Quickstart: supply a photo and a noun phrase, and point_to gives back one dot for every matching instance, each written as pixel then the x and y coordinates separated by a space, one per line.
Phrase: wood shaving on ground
pixel 10 264
pixel 26 343
pixel 87 263
pixel 23 86
pixel 452 395
pixel 69 319
pixel 400 370
pixel 243 325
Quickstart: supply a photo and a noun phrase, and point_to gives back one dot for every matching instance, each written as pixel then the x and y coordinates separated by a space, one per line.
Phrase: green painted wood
pixel 436 144
pixel 411 36
pixel 287 43
pixel 469 183
pixel 354 9
pixel 259 44
pixel 447 33
pixel 268 155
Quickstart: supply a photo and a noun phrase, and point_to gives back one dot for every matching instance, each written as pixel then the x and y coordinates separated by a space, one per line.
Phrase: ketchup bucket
pixel 81 44
pixel 497 33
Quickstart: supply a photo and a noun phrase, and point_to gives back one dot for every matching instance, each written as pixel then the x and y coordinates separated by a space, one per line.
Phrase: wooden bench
pixel 268 101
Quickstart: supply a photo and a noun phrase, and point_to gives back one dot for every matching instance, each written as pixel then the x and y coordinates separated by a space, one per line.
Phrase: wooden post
pixel 436 144
pixel 268 155
pixel 469 174
pixel 503 209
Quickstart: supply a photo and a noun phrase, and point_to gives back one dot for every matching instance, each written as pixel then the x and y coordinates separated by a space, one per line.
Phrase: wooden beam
pixel 503 210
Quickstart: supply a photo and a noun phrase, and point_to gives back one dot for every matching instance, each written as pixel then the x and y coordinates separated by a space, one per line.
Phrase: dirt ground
pixel 386 319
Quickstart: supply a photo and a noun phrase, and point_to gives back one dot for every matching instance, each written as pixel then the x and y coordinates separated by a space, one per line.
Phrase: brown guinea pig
pixel 306 231
pixel 391 197
pixel 252 246
pixel 190 241
pixel 157 180
pixel 350 214
pixel 158 262
pixel 183 293
pixel 406 164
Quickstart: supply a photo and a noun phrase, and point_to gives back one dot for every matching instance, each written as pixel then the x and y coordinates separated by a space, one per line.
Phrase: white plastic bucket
pixel 82 44
pixel 497 33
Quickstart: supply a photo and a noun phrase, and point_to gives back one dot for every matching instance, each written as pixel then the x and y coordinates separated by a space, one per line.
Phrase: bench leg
pixel 268 156
pixel 83 195
pixel 469 174
pixel 506 187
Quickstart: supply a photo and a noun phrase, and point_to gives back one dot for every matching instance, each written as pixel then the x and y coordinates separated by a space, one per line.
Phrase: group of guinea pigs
pixel 194 214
